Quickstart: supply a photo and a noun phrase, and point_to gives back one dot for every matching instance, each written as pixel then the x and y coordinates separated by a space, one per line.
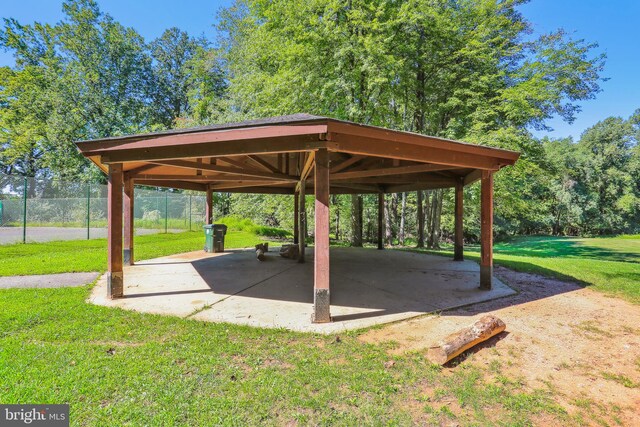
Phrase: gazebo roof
pixel 274 155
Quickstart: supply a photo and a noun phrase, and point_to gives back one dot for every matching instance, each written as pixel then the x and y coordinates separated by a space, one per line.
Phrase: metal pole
pixel 166 210
pixel 88 208
pixel 24 211
pixel 189 212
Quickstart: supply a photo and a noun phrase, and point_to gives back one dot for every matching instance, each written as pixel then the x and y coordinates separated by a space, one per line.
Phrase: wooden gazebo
pixel 279 155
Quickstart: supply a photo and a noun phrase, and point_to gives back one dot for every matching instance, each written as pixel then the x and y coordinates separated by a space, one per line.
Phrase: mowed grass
pixel 117 367
pixel 607 264
pixel 91 255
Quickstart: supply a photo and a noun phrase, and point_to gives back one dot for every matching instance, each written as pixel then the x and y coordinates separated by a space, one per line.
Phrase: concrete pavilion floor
pixel 368 287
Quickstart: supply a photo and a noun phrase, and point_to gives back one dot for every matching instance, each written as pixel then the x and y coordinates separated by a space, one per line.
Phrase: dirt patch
pixel 579 344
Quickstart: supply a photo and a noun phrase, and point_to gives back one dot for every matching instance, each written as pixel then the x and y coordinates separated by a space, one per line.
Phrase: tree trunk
pixel 356 220
pixel 403 209
pixel 420 219
pixel 388 233
pixel 455 344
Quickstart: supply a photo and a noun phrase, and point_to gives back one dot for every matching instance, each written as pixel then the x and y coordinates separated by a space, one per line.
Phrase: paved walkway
pixel 48 280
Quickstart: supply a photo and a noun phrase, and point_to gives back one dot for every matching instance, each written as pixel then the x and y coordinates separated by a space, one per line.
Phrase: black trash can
pixel 214 237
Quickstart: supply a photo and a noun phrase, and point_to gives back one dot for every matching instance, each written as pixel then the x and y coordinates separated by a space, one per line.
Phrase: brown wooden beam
pixel 345 164
pixel 458 252
pixel 402 151
pixel 486 230
pixel 263 164
pixel 215 149
pixel 400 170
pixel 245 184
pixel 115 277
pixel 426 185
pixel 321 296
pixel 472 177
pixel 308 166
pixel 206 178
pixel 128 221
pixel 224 169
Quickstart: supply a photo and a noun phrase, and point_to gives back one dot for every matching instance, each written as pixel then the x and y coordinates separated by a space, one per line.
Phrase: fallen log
pixel 289 251
pixel 455 344
pixel 261 248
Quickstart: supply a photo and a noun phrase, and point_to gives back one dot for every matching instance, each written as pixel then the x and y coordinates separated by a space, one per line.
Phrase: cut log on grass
pixel 289 251
pixel 260 250
pixel 455 344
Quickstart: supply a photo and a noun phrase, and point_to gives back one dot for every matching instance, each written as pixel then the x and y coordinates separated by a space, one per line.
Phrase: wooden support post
pixel 458 252
pixel 301 222
pixel 486 230
pixel 208 213
pixel 296 220
pixel 115 278
pixel 128 221
pixel 380 220
pixel 321 304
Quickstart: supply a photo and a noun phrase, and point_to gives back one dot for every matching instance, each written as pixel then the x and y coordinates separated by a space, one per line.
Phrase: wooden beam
pixel 402 151
pixel 264 164
pixel 306 169
pixel 380 220
pixel 216 149
pixel 486 230
pixel 426 185
pixel 224 169
pixel 400 170
pixel 208 210
pixel 115 277
pixel 132 172
pixel 128 221
pixel 216 136
pixel 458 254
pixel 206 178
pixel 345 164
pixel 472 177
pixel 242 184
pixel 321 300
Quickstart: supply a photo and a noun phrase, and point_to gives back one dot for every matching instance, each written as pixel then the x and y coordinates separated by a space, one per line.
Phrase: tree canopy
pixel 465 69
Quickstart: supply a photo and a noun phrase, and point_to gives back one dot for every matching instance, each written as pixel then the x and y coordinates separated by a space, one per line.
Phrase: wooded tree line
pixel 462 69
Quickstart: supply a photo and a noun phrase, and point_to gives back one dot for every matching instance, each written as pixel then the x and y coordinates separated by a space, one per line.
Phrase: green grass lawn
pixel 91 255
pixel 119 367
pixel 608 264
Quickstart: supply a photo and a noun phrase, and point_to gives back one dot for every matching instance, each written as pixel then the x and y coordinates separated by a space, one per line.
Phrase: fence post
pixel 24 211
pixel 189 212
pixel 88 209
pixel 166 210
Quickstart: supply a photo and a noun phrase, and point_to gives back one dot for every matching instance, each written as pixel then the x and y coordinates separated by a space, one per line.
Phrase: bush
pixel 236 223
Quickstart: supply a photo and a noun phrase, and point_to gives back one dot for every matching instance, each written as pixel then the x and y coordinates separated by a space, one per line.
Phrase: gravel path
pixel 48 280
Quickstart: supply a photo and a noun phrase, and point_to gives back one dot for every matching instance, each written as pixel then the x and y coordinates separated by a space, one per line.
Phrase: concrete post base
pixel 486 274
pixel 321 306
pixel 127 257
pixel 115 285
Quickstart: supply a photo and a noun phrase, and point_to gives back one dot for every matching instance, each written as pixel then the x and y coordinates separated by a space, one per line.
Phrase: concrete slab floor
pixel 368 287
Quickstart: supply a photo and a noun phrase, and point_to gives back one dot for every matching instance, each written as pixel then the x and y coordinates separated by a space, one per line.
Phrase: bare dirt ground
pixel 579 345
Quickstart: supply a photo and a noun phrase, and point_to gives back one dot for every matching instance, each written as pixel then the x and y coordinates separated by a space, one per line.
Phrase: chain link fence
pixel 34 210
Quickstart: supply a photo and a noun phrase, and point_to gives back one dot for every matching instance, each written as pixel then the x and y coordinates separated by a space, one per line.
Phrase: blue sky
pixel 613 24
